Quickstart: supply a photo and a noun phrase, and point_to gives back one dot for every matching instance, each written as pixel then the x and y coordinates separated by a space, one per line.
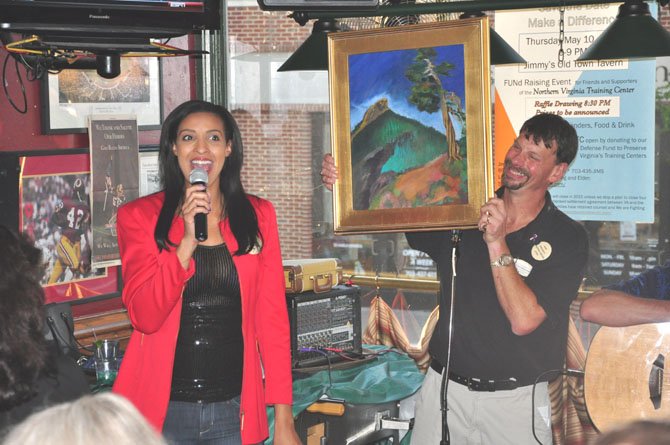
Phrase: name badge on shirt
pixel 541 251
pixel 522 267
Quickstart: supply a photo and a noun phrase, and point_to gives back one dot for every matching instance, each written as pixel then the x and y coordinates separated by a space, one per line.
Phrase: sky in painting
pixel 373 76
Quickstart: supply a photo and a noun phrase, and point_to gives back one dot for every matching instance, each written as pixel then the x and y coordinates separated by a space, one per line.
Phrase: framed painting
pixel 54 211
pixel 149 170
pixel 72 95
pixel 411 126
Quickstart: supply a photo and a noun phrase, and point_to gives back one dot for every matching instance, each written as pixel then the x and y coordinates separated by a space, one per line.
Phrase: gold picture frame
pixel 411 126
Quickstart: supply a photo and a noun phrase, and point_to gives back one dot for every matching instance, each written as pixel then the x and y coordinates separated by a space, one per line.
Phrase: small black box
pixel 325 320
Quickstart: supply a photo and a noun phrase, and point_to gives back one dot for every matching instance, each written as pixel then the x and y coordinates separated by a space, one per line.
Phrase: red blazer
pixel 153 283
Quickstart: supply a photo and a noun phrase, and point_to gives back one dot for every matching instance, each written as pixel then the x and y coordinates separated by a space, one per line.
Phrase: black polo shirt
pixel 550 254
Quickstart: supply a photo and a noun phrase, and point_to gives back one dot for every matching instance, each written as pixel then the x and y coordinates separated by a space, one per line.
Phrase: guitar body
pixel 624 369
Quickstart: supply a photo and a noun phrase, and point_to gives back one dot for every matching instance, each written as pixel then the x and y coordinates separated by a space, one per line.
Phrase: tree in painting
pixel 428 94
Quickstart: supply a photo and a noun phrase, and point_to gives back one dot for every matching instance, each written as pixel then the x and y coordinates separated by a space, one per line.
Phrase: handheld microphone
pixel 199 176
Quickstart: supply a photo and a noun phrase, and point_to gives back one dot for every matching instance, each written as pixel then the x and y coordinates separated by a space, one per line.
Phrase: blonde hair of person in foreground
pixel 101 419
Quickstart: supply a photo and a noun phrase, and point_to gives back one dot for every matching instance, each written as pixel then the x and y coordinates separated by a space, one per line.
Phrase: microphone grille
pixel 198 175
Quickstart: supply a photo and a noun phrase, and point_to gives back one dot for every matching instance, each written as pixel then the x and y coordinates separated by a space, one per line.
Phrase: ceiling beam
pixel 446 7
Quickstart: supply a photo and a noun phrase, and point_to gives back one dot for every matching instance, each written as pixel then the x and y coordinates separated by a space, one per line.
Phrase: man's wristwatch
pixel 505 260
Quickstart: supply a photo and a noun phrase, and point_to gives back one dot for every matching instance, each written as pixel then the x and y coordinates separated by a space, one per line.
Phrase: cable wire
pixel 320 351
pixel 5 84
pixel 572 372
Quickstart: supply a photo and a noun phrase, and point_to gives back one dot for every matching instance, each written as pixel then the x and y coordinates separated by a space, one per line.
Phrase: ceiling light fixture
pixel 633 34
pixel 501 52
pixel 312 55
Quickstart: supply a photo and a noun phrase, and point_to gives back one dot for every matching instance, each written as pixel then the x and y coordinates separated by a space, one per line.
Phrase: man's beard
pixel 513 186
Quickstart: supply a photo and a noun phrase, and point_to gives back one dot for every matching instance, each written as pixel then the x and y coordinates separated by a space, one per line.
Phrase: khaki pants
pixel 481 418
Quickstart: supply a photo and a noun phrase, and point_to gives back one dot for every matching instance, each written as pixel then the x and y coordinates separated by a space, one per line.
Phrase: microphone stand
pixel 455 239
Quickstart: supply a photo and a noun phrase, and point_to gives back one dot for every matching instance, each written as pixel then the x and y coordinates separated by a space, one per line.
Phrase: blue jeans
pixel 189 423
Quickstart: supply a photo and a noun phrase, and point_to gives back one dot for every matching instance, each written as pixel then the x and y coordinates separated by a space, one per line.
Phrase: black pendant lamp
pixel 633 34
pixel 313 53
pixel 501 52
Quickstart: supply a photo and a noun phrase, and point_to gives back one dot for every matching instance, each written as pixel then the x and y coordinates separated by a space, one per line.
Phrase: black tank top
pixel 208 359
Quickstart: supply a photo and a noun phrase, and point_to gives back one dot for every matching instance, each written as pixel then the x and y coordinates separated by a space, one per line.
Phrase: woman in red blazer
pixel 210 347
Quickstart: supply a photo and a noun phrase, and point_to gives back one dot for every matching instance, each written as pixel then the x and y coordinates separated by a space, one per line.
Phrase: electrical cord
pixel 36 68
pixel 37 64
pixel 5 84
pixel 341 353
pixel 322 352
pixel 60 340
pixel 381 352
pixel 572 372
pixel 70 328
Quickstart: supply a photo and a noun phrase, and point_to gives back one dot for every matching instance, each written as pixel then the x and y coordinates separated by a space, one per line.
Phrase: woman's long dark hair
pixel 238 208
pixel 23 348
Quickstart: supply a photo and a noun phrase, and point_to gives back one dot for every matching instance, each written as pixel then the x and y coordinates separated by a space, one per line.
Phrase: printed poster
pixel 610 103
pixel 114 177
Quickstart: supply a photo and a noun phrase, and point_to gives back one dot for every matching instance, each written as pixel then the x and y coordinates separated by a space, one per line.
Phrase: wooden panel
pixel 113 325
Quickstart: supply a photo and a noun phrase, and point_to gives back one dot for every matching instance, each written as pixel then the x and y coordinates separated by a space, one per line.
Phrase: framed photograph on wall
pixel 411 126
pixel 54 211
pixel 149 170
pixel 72 95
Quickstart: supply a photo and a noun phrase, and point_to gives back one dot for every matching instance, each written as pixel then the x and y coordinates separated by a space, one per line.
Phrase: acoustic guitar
pixel 624 376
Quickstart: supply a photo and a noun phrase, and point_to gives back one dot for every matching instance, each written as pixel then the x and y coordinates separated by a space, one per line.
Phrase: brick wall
pixel 277 138
pixel 277 164
pixel 265 31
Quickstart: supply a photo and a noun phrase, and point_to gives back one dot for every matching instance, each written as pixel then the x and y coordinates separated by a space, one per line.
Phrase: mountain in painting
pixel 398 162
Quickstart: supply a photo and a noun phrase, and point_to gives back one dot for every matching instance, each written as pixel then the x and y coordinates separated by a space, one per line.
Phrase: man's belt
pixel 475 384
